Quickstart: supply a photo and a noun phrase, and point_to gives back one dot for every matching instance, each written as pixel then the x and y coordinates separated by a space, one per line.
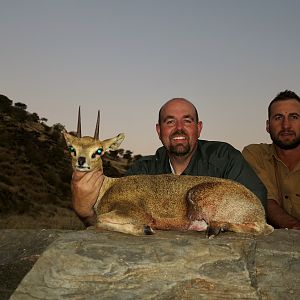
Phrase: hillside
pixel 35 171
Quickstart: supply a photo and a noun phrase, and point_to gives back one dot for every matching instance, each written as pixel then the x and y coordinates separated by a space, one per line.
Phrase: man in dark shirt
pixel 182 154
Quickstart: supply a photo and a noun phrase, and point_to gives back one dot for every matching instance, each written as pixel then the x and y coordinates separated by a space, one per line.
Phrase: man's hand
pixel 279 218
pixel 85 190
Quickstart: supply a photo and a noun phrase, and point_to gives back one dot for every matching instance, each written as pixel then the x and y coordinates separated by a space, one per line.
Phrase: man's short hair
pixel 196 112
pixel 282 96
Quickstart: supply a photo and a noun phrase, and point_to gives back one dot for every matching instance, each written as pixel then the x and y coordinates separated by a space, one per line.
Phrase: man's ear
pixel 158 129
pixel 113 143
pixel 200 126
pixel 268 126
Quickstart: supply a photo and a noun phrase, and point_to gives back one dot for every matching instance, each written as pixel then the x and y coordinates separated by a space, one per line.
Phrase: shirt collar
pixel 162 155
pixel 273 151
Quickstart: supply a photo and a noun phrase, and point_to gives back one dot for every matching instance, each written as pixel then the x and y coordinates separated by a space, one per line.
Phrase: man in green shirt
pixel 278 164
pixel 182 153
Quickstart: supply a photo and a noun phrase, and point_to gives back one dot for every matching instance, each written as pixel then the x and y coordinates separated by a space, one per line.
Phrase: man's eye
pixel 99 151
pixel 295 117
pixel 277 118
pixel 170 122
pixel 188 121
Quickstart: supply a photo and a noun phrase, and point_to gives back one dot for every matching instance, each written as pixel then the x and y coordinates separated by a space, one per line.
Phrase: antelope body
pixel 140 204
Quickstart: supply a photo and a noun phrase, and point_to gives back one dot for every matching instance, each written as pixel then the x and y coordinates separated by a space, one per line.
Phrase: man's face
pixel 284 124
pixel 178 129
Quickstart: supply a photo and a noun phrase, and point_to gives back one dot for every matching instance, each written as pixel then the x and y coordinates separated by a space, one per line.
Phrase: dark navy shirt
pixel 215 159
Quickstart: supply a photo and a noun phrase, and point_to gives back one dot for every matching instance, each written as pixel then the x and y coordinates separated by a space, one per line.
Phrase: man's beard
pixel 180 150
pixel 285 145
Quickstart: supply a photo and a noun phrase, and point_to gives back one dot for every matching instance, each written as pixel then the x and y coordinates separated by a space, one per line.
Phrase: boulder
pixel 19 250
pixel 167 265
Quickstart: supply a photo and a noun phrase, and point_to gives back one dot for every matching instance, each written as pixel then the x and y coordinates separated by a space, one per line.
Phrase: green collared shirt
pixel 261 158
pixel 215 159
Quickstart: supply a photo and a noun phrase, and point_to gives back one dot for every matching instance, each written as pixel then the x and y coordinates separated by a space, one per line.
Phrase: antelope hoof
pixel 148 230
pixel 211 232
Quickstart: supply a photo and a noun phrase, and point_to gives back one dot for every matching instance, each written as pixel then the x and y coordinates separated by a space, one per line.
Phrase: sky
pixel 128 57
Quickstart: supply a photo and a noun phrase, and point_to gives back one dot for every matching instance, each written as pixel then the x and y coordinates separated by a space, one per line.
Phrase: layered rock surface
pixel 167 265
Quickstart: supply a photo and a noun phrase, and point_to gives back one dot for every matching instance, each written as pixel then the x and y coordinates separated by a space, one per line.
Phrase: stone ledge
pixel 167 265
pixel 19 250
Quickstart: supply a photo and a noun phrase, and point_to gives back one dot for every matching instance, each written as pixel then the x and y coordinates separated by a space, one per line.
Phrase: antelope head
pixel 86 151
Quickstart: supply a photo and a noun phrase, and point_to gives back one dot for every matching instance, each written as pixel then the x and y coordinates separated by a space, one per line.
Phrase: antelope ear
pixel 68 137
pixel 113 143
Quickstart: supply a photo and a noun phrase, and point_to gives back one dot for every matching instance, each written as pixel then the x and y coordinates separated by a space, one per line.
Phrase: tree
pixel 20 115
pixel 5 101
pixel 127 155
pixel 34 117
pixel 21 105
pixel 121 151
pixel 113 154
pixel 58 127
pixel 5 104
pixel 136 157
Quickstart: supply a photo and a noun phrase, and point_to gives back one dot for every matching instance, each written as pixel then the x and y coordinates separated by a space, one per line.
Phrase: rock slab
pixel 19 250
pixel 167 265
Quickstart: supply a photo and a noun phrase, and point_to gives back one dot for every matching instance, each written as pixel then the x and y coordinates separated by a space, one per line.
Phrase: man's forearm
pixel 84 212
pixel 85 190
pixel 279 218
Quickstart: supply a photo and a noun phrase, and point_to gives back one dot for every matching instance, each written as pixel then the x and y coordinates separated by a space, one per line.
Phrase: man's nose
pixel 179 125
pixel 286 123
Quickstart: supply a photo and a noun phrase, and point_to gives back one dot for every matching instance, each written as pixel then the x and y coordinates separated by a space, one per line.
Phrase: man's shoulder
pixel 159 155
pixel 150 164
pixel 216 147
pixel 141 165
pixel 259 149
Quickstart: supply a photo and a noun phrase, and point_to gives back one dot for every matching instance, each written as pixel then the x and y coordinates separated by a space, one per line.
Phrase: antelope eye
pixel 99 151
pixel 72 150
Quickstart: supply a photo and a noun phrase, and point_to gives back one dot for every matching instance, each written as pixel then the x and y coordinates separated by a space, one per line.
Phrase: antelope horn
pixel 79 124
pixel 96 135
